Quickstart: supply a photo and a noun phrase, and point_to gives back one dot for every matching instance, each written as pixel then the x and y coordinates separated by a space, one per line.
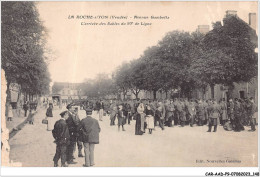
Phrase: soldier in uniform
pixel 170 113
pixel 181 112
pixel 253 114
pixel 214 114
pixel 206 106
pixel 159 115
pixel 113 113
pixel 224 116
pixel 62 139
pixel 73 125
pixel 191 112
pixel 230 111
pixel 200 111
pixel 237 116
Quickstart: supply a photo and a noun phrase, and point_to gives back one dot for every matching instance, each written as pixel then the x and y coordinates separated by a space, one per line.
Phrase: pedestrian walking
pixel 89 135
pixel 10 114
pixel 62 139
pixel 31 116
pixel 49 117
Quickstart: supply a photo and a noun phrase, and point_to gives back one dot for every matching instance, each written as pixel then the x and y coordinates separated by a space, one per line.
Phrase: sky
pixel 83 51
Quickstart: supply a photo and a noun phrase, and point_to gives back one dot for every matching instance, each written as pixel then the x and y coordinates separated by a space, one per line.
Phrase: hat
pixel 63 113
pixel 69 106
pixel 88 110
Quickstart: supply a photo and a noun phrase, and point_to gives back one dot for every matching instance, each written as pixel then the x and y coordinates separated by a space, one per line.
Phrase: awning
pixel 64 97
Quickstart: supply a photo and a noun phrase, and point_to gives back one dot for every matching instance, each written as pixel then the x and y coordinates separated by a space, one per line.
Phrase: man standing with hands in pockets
pixel 89 135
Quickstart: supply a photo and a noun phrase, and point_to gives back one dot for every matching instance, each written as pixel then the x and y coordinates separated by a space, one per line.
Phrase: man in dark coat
pixel 73 125
pixel 79 143
pixel 89 135
pixel 62 139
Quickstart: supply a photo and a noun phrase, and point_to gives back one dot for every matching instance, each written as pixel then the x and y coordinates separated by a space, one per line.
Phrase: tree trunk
pixel 154 94
pixel 212 90
pixel 8 99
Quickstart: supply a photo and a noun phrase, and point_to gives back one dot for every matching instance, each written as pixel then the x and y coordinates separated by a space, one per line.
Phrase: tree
pixel 176 49
pixel 23 45
pixel 227 54
pixel 121 78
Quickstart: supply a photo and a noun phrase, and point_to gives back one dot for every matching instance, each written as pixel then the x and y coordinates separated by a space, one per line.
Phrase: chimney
pixel 252 20
pixel 231 13
pixel 203 29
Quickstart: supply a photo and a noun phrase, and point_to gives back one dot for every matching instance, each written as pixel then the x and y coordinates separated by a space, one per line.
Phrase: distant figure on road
pixel 25 108
pixel 62 139
pixel 31 116
pixel 89 135
pixel 49 111
pixel 100 109
pixel 10 113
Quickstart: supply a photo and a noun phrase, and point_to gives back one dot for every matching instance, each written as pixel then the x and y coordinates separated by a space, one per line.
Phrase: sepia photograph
pixel 129 84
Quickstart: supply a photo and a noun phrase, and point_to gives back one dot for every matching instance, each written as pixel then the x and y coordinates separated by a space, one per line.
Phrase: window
pixel 242 94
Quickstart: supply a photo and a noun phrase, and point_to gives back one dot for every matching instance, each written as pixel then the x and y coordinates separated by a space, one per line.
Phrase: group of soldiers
pixel 232 114
pixel 70 131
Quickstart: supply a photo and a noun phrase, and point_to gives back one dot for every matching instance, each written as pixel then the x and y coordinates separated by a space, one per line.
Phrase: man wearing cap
pixel 89 135
pixel 62 139
pixel 73 125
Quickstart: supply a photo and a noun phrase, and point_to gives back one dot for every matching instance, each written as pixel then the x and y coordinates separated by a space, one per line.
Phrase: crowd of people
pixel 70 131
pixel 232 115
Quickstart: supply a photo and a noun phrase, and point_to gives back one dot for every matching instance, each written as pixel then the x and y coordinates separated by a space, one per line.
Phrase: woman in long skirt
pixel 150 119
pixel 139 124
pixel 49 117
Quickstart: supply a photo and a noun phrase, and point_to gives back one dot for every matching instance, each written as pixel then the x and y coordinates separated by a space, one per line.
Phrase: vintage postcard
pixel 129 84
